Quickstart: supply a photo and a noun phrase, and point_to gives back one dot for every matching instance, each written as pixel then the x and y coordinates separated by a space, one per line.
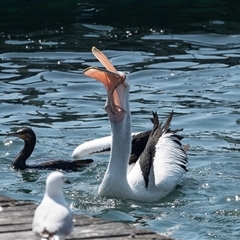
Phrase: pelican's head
pixel 115 84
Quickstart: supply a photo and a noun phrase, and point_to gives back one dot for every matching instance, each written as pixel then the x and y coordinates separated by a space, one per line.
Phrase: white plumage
pixel 92 147
pixel 53 218
pixel 162 161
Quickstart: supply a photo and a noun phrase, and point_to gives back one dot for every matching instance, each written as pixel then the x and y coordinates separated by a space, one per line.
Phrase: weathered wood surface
pixel 16 219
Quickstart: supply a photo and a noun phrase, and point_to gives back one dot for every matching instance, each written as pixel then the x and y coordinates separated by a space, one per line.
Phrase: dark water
pixel 187 62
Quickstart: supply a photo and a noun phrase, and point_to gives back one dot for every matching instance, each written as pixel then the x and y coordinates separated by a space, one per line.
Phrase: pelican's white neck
pixel 116 174
pixel 121 146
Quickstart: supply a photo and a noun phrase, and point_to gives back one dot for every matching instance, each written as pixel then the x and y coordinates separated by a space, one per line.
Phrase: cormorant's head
pixel 29 138
pixel 25 134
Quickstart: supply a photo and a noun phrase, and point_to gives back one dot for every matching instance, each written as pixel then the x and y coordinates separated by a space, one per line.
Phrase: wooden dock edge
pixel 16 223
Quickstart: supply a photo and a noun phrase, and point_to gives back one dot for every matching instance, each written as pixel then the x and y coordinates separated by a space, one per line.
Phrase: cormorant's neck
pixel 20 161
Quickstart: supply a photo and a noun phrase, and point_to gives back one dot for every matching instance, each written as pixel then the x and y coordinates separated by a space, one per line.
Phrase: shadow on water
pixel 49 25
pixel 18 16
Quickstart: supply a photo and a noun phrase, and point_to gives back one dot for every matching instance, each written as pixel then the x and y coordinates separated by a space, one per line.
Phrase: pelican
pixel 162 162
pixel 103 145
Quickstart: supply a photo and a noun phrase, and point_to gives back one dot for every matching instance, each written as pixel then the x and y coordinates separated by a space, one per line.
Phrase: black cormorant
pixel 29 138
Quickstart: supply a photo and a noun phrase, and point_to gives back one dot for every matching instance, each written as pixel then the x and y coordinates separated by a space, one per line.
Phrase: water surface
pixel 194 74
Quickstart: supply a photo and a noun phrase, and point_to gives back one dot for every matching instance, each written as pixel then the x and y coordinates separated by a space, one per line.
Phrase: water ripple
pixel 196 75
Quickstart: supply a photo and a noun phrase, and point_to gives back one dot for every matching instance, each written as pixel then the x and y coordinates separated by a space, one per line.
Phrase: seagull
pixel 162 162
pixel 53 219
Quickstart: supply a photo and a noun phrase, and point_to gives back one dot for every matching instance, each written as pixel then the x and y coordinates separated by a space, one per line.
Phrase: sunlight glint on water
pixel 194 75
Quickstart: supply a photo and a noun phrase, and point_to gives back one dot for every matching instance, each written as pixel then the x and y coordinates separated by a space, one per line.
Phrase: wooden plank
pixel 29 235
pixel 16 223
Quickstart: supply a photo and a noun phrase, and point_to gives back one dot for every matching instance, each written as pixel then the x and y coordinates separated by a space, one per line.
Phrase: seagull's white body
pixel 52 218
pixel 161 163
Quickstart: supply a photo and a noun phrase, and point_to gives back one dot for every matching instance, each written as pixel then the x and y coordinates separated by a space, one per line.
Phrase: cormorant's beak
pixel 15 134
pixel 12 134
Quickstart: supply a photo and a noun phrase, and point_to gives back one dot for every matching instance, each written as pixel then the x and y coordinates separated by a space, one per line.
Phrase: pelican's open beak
pixel 115 84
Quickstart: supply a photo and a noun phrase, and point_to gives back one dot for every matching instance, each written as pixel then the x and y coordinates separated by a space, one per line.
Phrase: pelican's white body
pixel 94 147
pixel 120 179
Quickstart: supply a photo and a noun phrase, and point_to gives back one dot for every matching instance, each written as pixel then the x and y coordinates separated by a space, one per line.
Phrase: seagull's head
pixel 54 182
